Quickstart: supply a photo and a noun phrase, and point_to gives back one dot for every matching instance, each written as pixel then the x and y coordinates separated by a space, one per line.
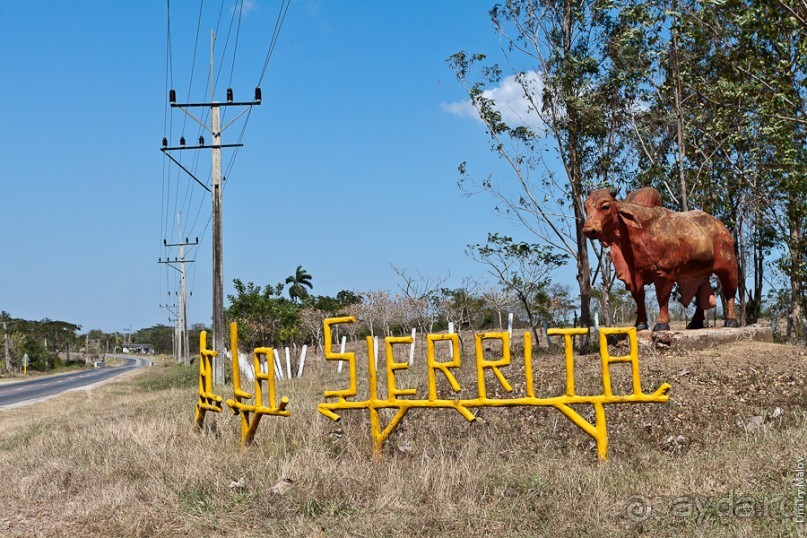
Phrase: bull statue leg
pixel 728 281
pixel 664 288
pixel 704 300
pixel 727 272
pixel 641 310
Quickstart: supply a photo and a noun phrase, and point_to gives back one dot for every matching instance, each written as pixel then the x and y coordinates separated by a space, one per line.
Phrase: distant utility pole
pixel 8 360
pixel 175 340
pixel 215 129
pixel 182 312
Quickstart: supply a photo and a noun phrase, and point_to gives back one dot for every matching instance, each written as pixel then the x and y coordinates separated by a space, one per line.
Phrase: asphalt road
pixel 21 392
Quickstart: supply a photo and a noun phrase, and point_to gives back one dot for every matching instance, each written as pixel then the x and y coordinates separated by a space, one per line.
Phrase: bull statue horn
pixel 614 192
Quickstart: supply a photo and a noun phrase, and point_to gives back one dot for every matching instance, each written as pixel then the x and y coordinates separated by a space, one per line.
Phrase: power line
pixel 235 49
pixel 281 17
pixel 170 64
pixel 224 50
pixel 185 198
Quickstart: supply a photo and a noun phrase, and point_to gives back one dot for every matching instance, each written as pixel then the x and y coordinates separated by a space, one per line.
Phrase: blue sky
pixel 349 165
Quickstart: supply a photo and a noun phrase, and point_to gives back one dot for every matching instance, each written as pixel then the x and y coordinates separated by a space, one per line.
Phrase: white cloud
pixel 515 109
pixel 247 6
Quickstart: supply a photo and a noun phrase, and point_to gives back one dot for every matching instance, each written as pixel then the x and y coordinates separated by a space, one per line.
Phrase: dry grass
pixel 124 460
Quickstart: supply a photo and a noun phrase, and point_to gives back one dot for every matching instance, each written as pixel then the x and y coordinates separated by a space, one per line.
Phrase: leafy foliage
pixel 264 317
pixel 42 341
pixel 522 268
pixel 298 282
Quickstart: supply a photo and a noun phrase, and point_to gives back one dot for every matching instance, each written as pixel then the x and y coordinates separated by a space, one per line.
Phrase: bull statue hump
pixel 651 244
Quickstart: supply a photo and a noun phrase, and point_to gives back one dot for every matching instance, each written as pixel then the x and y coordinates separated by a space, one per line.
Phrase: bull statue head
pixel 604 214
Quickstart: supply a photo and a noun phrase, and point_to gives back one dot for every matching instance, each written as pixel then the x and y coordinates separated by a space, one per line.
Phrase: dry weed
pixel 124 459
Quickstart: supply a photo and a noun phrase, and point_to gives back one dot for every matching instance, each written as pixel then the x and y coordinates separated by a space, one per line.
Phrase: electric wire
pixel 235 49
pixel 224 52
pixel 278 25
pixel 189 196
pixel 200 130
pixel 281 17
pixel 190 87
pixel 226 45
pixel 166 171
pixel 221 63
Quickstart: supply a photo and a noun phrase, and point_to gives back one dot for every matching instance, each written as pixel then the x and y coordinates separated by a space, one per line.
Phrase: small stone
pixel 777 412
pixel 283 485
pixel 754 423
pixel 238 484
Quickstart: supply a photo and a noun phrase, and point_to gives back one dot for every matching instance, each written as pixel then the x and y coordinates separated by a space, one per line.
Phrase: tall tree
pixel 298 282
pixel 582 69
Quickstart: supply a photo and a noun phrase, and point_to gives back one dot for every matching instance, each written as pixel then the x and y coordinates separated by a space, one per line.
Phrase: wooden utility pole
pixel 215 130
pixel 5 335
pixel 183 297
pixel 175 340
pixel 218 248
pixel 183 348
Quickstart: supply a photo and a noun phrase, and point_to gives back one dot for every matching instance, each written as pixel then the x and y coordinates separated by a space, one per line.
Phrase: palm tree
pixel 299 281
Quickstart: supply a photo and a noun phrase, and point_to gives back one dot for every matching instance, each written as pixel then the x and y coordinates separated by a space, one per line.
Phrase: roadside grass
pixel 123 459
pixel 71 366
pixel 175 376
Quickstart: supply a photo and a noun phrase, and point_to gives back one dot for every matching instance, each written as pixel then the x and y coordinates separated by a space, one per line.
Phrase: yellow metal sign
pixel 401 406
pixel 402 399
pixel 257 409
pixel 208 400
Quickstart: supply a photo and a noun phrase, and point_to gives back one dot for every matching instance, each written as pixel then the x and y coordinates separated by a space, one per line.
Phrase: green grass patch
pixel 23 438
pixel 171 377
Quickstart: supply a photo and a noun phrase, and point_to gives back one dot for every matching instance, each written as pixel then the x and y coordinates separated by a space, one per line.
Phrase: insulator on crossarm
pixel 165 142
pixel 181 140
pixel 258 94
pixel 229 95
pixel 172 96
pixel 201 141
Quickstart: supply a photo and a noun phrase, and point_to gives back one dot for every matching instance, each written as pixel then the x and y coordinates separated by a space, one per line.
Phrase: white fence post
pixel 302 361
pixel 450 343
pixel 278 369
pixel 246 368
pixel 510 324
pixel 412 347
pixel 288 364
pixel 341 350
